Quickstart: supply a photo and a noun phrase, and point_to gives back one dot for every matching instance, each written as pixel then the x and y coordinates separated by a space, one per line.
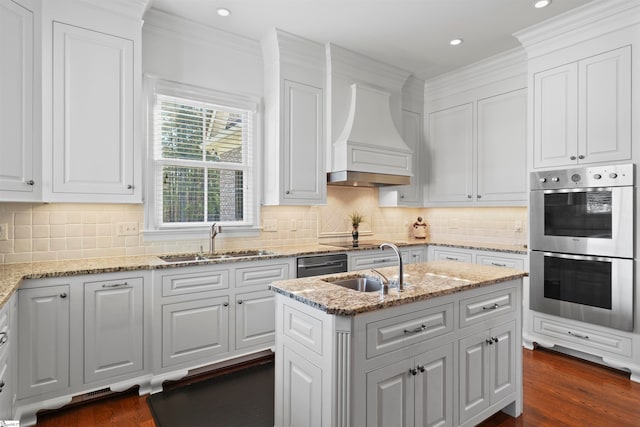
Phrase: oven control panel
pixel 593 176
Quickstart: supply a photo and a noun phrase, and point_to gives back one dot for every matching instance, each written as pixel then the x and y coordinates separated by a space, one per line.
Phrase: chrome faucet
pixel 400 269
pixel 385 282
pixel 213 232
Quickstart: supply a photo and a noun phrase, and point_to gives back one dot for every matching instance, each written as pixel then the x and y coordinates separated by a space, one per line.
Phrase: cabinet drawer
pixel 569 335
pixel 482 307
pixel 499 261
pixel 450 255
pixel 374 260
pixel 386 335
pixel 303 329
pixel 261 275
pixel 201 281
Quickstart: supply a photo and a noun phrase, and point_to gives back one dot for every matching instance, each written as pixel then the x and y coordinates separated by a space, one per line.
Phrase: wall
pixel 42 232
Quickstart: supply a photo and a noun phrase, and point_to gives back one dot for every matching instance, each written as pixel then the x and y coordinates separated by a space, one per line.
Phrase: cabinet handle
pixel 495 339
pixel 287 192
pixel 30 182
pixel 115 285
pixel 413 371
pixel 421 368
pixel 225 304
pixel 415 330
pixel 129 187
pixel 498 264
pixel 582 337
pixel 63 295
pixel 489 341
pixel 451 258
pixel 239 301
pixel 402 196
pixel 479 196
pixel 469 196
pixel 4 337
pixel 382 260
pixel 2 384
pixel 415 255
pixel 490 307
pixel 572 158
pixel 581 156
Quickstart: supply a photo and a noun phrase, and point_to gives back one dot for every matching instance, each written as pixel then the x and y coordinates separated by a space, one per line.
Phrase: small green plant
pixel 356 218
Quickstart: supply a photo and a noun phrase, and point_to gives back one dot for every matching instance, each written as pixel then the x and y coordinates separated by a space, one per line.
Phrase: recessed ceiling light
pixel 541 3
pixel 224 12
pixel 456 42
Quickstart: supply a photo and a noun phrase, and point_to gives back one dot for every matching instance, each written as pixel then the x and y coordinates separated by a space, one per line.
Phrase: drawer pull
pixel 490 307
pixel 115 285
pixel 498 264
pixel 452 258
pixel 378 261
pixel 2 384
pixel 413 371
pixel 4 337
pixel 416 330
pixel 582 337
pixel 225 304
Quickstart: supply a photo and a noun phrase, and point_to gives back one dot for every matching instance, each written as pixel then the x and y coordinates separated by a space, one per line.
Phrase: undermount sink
pixel 207 257
pixel 361 284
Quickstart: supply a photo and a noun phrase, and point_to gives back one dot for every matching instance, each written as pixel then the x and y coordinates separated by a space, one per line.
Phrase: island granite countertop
pixel 422 281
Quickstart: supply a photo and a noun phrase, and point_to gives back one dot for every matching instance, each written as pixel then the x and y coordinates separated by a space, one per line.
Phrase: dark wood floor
pixel 558 391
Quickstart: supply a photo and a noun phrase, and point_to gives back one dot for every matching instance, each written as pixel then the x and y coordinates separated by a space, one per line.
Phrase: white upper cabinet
pixel 582 111
pixel 450 167
pixel 93 116
pixel 18 169
pixel 294 155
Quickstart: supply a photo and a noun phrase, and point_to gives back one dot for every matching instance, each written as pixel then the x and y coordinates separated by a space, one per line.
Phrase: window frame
pixel 154 230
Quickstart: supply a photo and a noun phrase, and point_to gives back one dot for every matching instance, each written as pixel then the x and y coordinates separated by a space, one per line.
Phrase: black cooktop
pixel 346 245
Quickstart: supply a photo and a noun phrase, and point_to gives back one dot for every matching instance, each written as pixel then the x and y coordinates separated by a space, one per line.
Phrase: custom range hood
pixel 370 152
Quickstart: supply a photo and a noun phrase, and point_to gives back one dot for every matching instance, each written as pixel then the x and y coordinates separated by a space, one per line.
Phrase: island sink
pixel 361 284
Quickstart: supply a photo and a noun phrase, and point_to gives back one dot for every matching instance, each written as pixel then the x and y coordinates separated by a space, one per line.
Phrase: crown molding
pixel 162 23
pixel 589 21
pixel 413 95
pixel 508 64
pixel 129 8
pixel 284 47
pixel 361 68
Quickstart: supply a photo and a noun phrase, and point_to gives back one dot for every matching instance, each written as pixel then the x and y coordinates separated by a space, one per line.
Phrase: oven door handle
pixel 575 190
pixel 578 257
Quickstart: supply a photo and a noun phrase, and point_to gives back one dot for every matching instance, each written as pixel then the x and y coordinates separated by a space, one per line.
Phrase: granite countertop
pixel 423 281
pixel 12 275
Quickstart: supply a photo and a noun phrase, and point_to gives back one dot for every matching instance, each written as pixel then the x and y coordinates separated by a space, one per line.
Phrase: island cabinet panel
pixel 255 320
pixel 439 361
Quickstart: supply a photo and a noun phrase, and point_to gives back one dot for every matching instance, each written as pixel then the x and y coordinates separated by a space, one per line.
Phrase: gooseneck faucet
pixel 213 232
pixel 400 269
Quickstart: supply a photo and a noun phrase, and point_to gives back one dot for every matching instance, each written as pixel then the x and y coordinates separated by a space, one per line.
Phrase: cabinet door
pixel 434 391
pixel 503 365
pixel 502 147
pixel 474 359
pixel 391 395
pixel 193 330
pixel 412 256
pixel 93 112
pixel 43 345
pixel 6 398
pixel 16 102
pixel 450 173
pixel 113 328
pixel 255 319
pixel 604 107
pixel 555 116
pixel 407 195
pixel 302 401
pixel 303 151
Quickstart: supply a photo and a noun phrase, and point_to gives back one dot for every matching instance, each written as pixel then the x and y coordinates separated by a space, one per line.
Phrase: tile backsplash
pixel 44 232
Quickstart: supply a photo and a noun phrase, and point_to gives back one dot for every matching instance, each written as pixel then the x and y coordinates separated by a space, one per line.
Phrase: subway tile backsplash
pixel 45 232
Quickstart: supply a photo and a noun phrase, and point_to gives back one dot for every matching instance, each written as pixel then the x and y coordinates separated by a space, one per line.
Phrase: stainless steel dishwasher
pixel 317 265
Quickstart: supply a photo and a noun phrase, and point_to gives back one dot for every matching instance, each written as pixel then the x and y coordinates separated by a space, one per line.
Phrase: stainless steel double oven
pixel 582 242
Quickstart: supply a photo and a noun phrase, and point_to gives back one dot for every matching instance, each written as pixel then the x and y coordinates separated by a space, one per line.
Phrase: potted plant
pixel 356 218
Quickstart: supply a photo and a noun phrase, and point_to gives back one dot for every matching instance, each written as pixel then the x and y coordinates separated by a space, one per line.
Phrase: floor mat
pixel 239 399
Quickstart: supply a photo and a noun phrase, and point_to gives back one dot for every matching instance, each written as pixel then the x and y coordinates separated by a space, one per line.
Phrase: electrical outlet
pixel 453 223
pixel 293 225
pixel 127 228
pixel 270 225
pixel 517 226
pixel 4 232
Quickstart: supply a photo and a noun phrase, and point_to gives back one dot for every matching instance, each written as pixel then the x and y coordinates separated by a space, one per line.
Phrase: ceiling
pixel 410 34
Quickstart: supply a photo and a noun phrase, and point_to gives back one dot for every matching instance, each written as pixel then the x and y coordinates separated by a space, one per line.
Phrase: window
pixel 202 145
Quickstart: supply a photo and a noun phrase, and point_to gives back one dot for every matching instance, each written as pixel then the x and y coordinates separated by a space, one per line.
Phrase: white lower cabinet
pixel 80 335
pixel 255 319
pixel 413 392
pixel 362 260
pixel 446 361
pixel 487 369
pixel 497 259
pixel 7 358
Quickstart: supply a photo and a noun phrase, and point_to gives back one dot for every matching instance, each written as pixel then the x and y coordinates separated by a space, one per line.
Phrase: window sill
pixel 199 232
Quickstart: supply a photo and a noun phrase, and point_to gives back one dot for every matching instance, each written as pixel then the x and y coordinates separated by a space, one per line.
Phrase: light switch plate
pixel 4 232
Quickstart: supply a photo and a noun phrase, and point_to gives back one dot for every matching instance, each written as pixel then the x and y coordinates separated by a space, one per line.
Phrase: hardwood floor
pixel 558 391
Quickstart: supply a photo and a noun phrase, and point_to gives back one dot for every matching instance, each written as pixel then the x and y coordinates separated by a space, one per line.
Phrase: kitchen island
pixel 445 351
